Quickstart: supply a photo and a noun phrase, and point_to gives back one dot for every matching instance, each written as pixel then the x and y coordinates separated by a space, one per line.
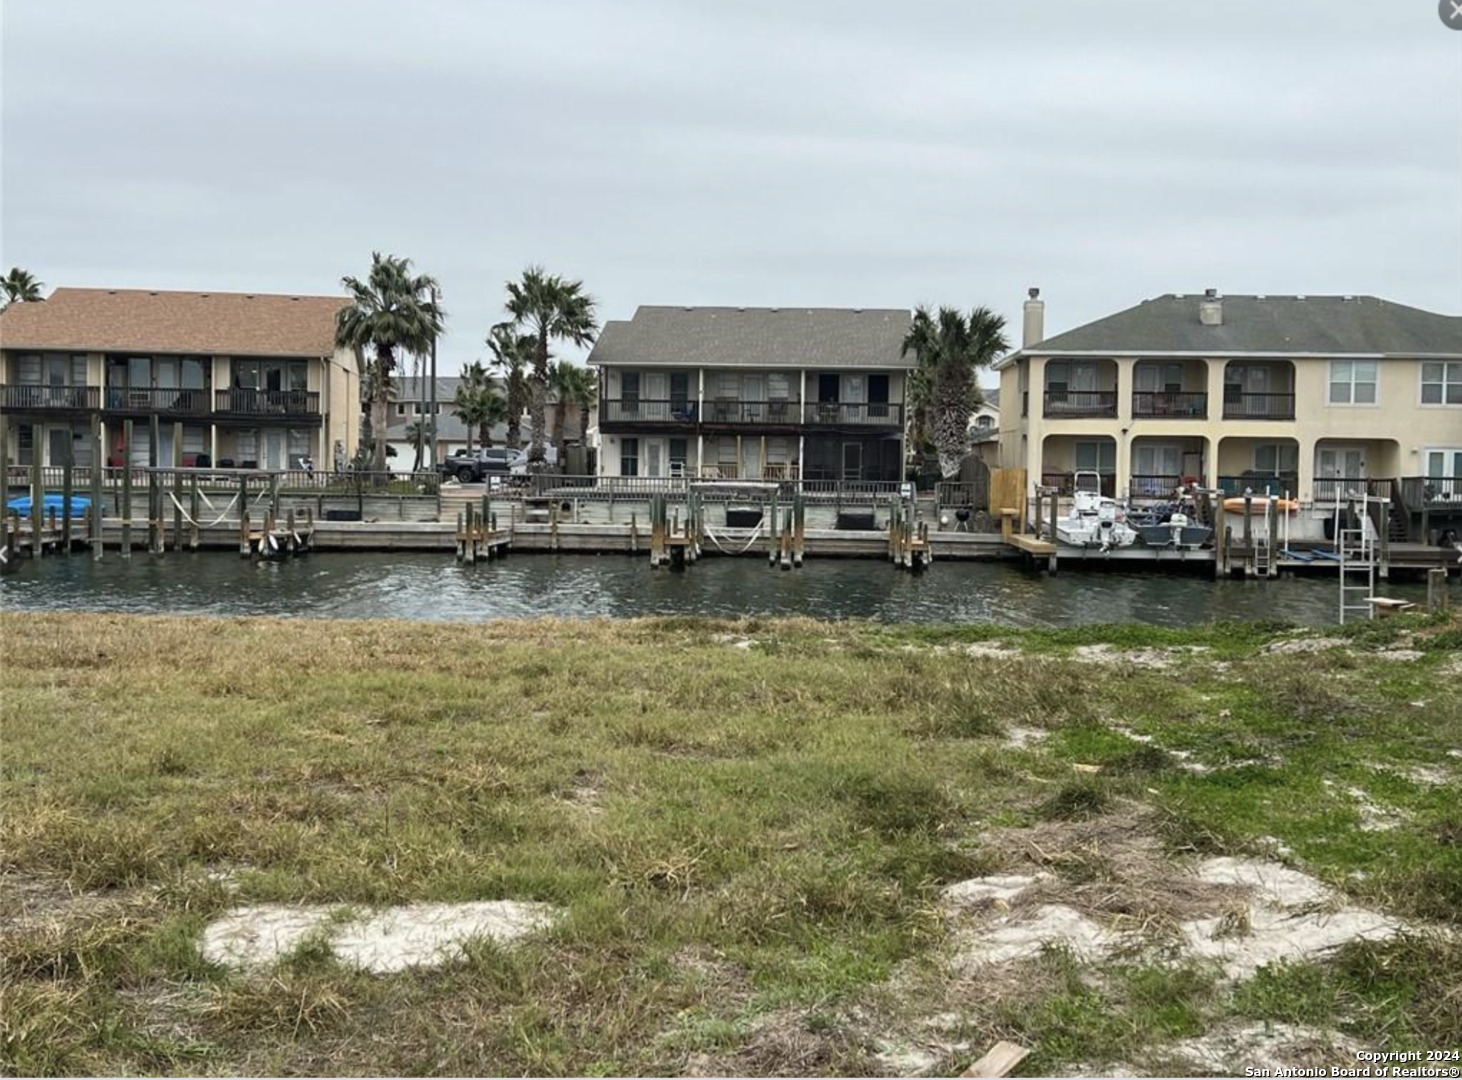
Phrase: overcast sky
pixel 780 153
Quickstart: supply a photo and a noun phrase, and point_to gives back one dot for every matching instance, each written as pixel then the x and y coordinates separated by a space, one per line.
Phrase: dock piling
pixel 98 461
pixel 1436 589
pixel 37 502
pixel 67 488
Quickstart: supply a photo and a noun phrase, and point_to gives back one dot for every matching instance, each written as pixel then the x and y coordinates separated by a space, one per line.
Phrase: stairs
pixel 1396 525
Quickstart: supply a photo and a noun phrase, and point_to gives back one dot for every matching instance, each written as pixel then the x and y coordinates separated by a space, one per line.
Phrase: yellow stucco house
pixel 1314 396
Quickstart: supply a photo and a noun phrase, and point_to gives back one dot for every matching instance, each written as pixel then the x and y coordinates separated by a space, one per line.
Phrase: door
pixel 751 459
pixel 1339 470
pixel 852 461
pixel 657 397
pixel 1157 469
pixel 58 446
pixel 274 449
pixel 680 396
pixel 1444 470
pixel 878 397
pixel 855 400
pixel 654 457
pixel 754 387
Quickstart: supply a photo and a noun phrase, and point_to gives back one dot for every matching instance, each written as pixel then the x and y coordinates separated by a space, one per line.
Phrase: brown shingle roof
pixel 207 323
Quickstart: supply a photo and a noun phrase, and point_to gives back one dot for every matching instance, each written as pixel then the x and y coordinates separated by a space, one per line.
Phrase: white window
pixel 1443 465
pixel 1100 456
pixel 1352 382
pixel 1441 384
pixel 1276 458
pixel 1340 462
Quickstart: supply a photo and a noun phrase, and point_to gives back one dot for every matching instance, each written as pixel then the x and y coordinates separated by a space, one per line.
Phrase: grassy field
pixel 747 826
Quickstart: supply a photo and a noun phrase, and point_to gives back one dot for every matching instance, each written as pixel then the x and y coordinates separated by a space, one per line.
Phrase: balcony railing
pixel 1154 404
pixel 1432 492
pixel 644 411
pixel 721 411
pixel 1059 403
pixel 267 402
pixel 1258 406
pixel 1260 483
pixel 1065 483
pixel 40 397
pixel 1154 486
pixel 151 399
pixel 854 414
pixel 1337 489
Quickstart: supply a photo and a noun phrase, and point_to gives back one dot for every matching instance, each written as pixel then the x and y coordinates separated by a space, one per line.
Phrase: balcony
pixel 267 403
pixel 1243 406
pixel 1159 404
pixel 42 398
pixel 640 412
pixel 854 414
pixel 1065 483
pixel 1061 404
pixel 751 413
pixel 144 401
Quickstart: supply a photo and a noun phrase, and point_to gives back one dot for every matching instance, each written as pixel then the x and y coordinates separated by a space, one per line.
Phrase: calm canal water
pixel 435 588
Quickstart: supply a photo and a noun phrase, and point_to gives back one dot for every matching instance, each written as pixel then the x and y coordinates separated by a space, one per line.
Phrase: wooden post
pixel 634 535
pixel 553 526
pixel 771 521
pixel 98 464
pixel 195 506
pixel 37 498
pixel 799 509
pixel 177 485
pixel 1271 529
pixel 67 488
pixel 1220 540
pixel 4 465
pixel 1436 589
pixel 1250 536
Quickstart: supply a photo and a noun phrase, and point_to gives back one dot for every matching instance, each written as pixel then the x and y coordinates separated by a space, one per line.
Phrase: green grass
pixel 748 844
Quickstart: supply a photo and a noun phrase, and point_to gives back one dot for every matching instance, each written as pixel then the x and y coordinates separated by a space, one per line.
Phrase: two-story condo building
pixel 753 393
pixel 1312 395
pixel 246 380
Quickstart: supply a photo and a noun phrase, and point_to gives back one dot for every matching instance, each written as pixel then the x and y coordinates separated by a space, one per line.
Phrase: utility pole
pixel 436 298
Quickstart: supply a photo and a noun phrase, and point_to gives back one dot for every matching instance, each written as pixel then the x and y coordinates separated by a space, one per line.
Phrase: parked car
pixel 477 465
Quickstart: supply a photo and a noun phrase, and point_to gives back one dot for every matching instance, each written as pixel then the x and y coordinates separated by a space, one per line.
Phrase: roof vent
pixel 1261 296
pixel 857 311
pixel 203 296
pixel 1347 298
pixel 1033 292
pixel 152 292
pixel 1300 296
pixel 1210 308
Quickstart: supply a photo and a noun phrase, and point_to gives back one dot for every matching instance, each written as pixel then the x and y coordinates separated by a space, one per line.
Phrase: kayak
pixel 79 504
pixel 1259 504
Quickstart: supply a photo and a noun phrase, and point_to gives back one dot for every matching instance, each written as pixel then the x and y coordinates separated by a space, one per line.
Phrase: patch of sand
pixel 1303 645
pixel 1230 1049
pixel 1020 737
pixel 1396 654
pixel 391 939
pixel 1157 659
pixel 1239 914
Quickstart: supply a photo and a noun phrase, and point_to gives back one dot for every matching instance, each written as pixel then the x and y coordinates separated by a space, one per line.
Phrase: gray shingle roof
pixel 756 337
pixel 1308 325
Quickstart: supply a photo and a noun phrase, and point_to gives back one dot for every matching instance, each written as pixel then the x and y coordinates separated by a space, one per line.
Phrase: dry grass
pixel 748 844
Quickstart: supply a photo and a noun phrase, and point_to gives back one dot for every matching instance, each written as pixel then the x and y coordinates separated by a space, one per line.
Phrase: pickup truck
pixel 476 466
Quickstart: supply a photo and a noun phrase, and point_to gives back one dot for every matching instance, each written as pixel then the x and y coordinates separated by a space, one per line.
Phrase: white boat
pixel 1095 520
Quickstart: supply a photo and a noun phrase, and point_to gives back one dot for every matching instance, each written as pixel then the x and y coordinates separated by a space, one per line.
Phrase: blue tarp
pixel 79 504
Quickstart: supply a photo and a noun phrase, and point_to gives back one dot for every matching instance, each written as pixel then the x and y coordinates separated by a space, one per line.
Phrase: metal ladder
pixel 1357 550
pixel 1262 555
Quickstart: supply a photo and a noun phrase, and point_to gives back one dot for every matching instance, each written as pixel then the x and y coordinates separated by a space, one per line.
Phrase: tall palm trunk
pixel 952 394
pixel 583 424
pixel 538 408
pixel 380 406
pixel 561 419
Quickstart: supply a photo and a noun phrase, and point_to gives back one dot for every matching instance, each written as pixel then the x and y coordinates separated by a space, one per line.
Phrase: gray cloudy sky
pixel 789 153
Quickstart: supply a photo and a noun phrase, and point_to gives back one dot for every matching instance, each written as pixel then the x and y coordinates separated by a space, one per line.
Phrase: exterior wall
pixel 1397 428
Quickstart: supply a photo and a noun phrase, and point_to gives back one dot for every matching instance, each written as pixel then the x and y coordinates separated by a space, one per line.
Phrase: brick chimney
pixel 1034 329
pixel 1210 309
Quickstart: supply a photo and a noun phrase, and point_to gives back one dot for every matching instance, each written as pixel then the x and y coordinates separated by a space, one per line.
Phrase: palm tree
pixel 575 386
pixel 418 434
pixel 512 352
pixel 21 287
pixel 550 308
pixel 478 404
pixel 392 311
pixel 950 349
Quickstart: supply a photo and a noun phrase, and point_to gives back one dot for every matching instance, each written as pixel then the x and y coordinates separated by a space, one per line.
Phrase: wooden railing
pixel 1154 485
pixel 721 411
pixel 1065 483
pixel 1059 403
pixel 267 402
pixel 1337 489
pixel 40 397
pixel 151 399
pixel 854 414
pixel 1260 483
pixel 645 411
pixel 1258 406
pixel 1427 492
pixel 1159 404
